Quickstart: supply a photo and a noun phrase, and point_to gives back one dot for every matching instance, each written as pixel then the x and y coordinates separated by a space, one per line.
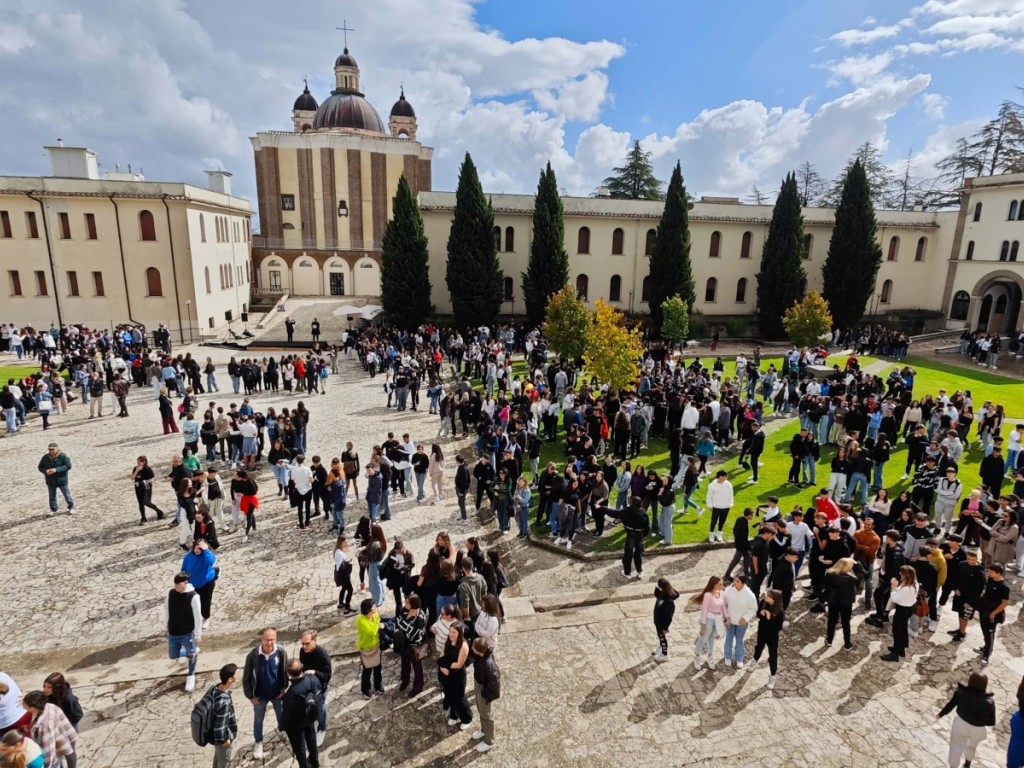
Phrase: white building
pixel 78 247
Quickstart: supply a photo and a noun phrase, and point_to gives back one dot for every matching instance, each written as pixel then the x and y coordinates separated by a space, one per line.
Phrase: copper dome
pixel 305 102
pixel 348 110
pixel 402 107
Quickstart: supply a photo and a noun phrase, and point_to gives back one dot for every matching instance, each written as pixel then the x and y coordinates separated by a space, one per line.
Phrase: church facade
pixel 325 191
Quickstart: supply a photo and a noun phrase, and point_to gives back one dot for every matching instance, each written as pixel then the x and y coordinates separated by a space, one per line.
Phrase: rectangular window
pixel 90 226
pixel 65 226
pixel 97 284
pixel 5 224
pixel 31 226
pixel 287 202
pixel 73 283
pixel 15 282
pixel 41 283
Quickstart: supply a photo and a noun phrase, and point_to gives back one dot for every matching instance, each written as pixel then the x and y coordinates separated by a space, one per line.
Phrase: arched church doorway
pixel 997 298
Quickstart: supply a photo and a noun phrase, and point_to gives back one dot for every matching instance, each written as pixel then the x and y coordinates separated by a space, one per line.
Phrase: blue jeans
pixel 859 483
pixel 385 502
pixel 338 516
pixel 65 490
pixel 823 429
pixel 211 383
pixel 666 523
pixel 376 586
pixel 441 601
pixel 877 475
pixel 321 724
pixel 259 711
pixel 235 383
pixel 502 514
pixel 11 417
pixel 183 645
pixel 734 634
pixel 420 477
pixel 373 508
pixel 621 499
pixel 810 470
pixel 553 517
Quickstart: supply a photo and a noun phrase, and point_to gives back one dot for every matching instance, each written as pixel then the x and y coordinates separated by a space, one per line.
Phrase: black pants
pixel 882 597
pixel 900 636
pixel 635 444
pixel 718 517
pixel 144 495
pixel 988 631
pixel 305 506
pixel 633 553
pixel 770 641
pixel 738 557
pixel 794 470
pixel 303 741
pixel 206 598
pixel 543 509
pixel 755 459
pixel 838 613
pixel 621 444
pixel 481 489
pixel 598 516
pixel 378 682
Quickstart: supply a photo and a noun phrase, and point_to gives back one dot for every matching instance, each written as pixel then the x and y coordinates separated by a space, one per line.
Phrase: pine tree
pixel 472 273
pixel 781 280
pixel 548 269
pixel 881 180
pixel 635 180
pixel 854 256
pixel 405 272
pixel 670 270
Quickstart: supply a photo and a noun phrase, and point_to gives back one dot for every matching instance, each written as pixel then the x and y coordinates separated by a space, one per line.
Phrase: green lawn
pixel 17 371
pixel 984 385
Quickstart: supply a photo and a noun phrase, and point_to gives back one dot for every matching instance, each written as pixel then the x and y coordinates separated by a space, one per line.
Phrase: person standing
pixel 201 566
pixel 316 661
pixel 637 526
pixel 719 500
pixel 841 593
pixel 301 477
pixel 183 620
pixel 714 615
pixel 225 725
pixel 120 388
pixel 975 713
pixel 289 327
pixel 51 730
pixel 992 609
pixel 264 681
pixel 487 687
pixel 769 625
pixel 904 597
pixel 368 645
pixel 664 609
pixel 741 602
pixel 55 465
pixel 462 478
pixel 452 674
pixel 301 706
pixel 760 557
pixel 314 330
pixel 741 544
pixel 413 623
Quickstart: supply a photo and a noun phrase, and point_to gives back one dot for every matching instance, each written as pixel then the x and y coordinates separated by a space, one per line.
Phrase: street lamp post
pixel 188 308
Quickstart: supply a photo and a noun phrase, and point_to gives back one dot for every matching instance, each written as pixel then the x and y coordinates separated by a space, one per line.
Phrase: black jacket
pixel 664 608
pixel 741 534
pixel 294 716
pixel 970 581
pixel 251 667
pixel 975 707
pixel 462 479
pixel 840 588
pixel 318 660
pixel 487 675
pixel 635 521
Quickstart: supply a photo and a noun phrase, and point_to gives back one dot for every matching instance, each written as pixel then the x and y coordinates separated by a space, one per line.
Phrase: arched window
pixel 715 248
pixel 618 240
pixel 583 240
pixel 206 273
pixel 970 253
pixel 645 290
pixel 741 291
pixel 710 289
pixel 153 284
pixel 886 296
pixel 615 288
pixel 958 308
pixel 582 286
pixel 977 212
pixel 1004 250
pixel 922 245
pixel 652 235
pixel 497 238
pixel 1013 211
pixel 510 239
pixel 1013 250
pixel 894 249
pixel 248 273
pixel 745 245
pixel 808 245
pixel 147 227
pixel 202 228
pixel 509 288
pixel 1000 305
pixel 1020 211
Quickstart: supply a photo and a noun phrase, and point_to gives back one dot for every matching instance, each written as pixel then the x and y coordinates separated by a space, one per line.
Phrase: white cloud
pixel 579 99
pixel 859 69
pixel 934 105
pixel 14 38
pixel 851 37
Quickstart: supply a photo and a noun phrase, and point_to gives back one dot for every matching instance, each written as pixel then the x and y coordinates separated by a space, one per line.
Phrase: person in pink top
pixel 714 616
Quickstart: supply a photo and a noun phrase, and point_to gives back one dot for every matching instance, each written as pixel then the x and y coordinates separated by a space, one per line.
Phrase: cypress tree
pixel 782 280
pixel 548 269
pixel 405 273
pixel 472 274
pixel 854 256
pixel 670 270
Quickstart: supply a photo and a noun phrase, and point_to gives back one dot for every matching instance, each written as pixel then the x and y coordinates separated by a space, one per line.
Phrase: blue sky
pixel 739 92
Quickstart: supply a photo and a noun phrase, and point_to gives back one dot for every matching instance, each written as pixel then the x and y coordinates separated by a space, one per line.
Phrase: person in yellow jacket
pixel 938 559
pixel 368 645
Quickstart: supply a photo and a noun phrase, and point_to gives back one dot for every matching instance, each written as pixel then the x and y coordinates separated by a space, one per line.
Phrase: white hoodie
pixel 741 603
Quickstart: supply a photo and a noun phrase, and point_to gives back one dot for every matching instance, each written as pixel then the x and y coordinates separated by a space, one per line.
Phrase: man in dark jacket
pixel 55 466
pixel 317 661
pixel 264 682
pixel 797 453
pixel 891 555
pixel 298 721
pixel 992 471
pixel 461 486
pixel 741 544
pixel 637 527
pixel 970 583
pixel 487 685
pixel 484 474
pixel 760 557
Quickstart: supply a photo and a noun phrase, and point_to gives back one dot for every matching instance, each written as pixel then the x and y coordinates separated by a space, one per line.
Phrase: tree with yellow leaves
pixel 808 320
pixel 613 351
pixel 566 323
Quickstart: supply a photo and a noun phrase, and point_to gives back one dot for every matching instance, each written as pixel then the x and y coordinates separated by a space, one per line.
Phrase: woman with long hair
pixel 770 617
pixel 841 591
pixel 451 670
pixel 714 615
pixel 375 552
pixel 142 476
pixel 436 471
pixel 350 464
pixel 903 597
pixel 58 691
pixel 343 575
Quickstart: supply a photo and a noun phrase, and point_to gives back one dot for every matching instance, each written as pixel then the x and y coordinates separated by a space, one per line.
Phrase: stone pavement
pixel 579 687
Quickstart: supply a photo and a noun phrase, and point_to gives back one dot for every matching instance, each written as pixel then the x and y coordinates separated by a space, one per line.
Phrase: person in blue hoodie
pixel 664 609
pixel 1015 749
pixel 200 565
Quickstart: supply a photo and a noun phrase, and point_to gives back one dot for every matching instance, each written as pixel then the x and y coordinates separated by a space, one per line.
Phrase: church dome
pixel 348 110
pixel 402 107
pixel 305 102
pixel 345 60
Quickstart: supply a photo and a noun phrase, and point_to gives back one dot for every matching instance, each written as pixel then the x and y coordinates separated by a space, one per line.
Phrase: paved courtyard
pixel 84 596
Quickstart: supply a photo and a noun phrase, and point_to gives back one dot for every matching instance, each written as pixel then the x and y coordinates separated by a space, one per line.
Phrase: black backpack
pixel 311 707
pixel 202 718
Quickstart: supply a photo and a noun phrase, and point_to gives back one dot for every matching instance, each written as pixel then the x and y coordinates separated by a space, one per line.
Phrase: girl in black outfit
pixel 58 692
pixel 206 529
pixel 362 539
pixel 841 592
pixel 142 475
pixel 664 609
pixel 451 672
pixel 770 616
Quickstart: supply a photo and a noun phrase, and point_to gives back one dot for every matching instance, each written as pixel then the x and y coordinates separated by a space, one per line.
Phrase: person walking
pixel 264 681
pixel 637 526
pixel 368 645
pixel 183 622
pixel 664 609
pixel 225 724
pixel 58 691
pixel 992 609
pixel 142 476
pixel 769 625
pixel 200 563
pixel 741 544
pixel 904 598
pixel 975 714
pixel 316 661
pixel 741 602
pixel 55 465
pixel 301 707
pixel 719 500
pixel 714 615
pixel 487 688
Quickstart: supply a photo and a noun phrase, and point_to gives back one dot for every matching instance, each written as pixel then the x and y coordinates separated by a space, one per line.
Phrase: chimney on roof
pixel 219 181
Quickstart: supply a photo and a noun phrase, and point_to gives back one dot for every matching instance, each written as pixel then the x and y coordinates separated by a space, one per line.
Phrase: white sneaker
pixel 320 736
pixel 206 624
pixel 465 727
pixel 190 683
pixel 660 657
pixel 453 721
pixel 696 662
pixel 771 682
pixel 739 665
pixel 559 540
pixel 711 537
pixel 932 626
pixel 785 624
pixel 483 746
pixel 914 632
pixel 711 663
pixel 752 665
pixel 71 510
pixel 257 751
pixel 568 545
pixel 701 511
pixel 478 735
pixel 245 538
pixel 624 574
pixel 50 513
